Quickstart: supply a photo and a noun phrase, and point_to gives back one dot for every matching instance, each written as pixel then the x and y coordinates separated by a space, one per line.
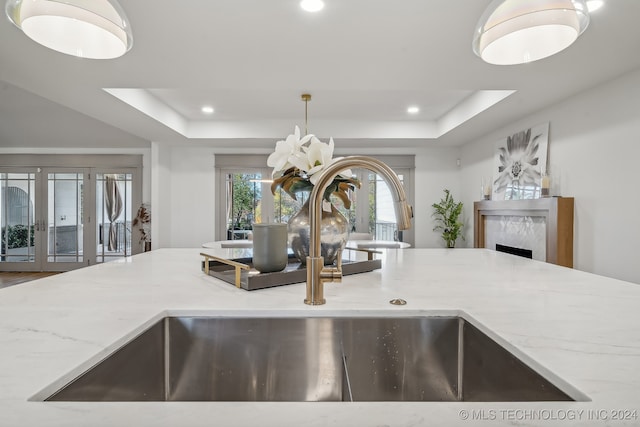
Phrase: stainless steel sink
pixel 311 359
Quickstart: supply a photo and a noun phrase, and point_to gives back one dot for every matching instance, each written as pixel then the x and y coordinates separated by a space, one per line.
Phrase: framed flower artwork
pixel 520 161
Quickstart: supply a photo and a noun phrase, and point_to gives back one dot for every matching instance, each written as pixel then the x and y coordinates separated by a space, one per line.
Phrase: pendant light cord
pixel 306 98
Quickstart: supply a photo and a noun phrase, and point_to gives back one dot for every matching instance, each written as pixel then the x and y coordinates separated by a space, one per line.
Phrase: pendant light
pixel 520 31
pixel 96 29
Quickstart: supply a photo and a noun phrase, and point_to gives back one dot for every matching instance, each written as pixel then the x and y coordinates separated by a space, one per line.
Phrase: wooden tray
pixel 240 271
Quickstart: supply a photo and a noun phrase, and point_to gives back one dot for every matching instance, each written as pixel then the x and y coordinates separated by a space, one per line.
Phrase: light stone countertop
pixel 581 328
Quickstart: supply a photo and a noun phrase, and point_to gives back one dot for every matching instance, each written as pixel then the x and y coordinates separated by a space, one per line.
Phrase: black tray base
pixel 252 279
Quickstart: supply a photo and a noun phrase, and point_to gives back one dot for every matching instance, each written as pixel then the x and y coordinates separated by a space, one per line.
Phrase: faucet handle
pixel 338 269
pixel 333 274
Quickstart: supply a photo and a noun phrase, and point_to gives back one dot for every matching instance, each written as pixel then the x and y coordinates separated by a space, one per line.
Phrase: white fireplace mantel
pixel 554 213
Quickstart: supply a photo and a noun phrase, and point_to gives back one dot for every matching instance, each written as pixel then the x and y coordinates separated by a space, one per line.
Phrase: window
pixel 17 192
pixel 382 216
pixel 65 217
pixel 376 216
pixel 244 195
pixel 114 215
pixel 285 206
pixel 242 202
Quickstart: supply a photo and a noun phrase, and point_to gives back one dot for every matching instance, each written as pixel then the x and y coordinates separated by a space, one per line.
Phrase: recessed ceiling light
pixel 207 109
pixel 312 5
pixel 593 5
pixel 413 110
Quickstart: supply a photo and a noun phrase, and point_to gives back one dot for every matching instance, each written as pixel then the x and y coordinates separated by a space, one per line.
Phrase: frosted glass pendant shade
pixel 519 31
pixel 96 29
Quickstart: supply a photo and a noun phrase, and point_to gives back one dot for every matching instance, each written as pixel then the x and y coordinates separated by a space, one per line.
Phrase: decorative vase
pixel 334 231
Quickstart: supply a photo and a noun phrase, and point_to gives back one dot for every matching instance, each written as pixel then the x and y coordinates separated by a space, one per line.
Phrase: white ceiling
pixel 363 61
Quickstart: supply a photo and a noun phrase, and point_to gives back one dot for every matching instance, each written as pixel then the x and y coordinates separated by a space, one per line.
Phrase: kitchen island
pixel 580 330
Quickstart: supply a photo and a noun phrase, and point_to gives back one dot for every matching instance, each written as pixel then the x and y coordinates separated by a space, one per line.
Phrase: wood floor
pixel 10 278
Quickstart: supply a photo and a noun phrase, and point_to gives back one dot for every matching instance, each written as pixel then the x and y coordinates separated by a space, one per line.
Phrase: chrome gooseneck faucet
pixel 317 273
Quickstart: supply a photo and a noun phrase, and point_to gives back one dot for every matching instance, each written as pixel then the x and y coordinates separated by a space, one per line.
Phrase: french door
pixel 20 236
pixel 63 218
pixel 244 196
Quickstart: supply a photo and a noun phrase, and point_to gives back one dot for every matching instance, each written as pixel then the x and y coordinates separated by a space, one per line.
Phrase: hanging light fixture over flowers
pixel 297 163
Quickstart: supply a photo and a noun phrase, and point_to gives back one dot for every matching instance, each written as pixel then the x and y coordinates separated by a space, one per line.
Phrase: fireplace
pixel 524 253
pixel 543 227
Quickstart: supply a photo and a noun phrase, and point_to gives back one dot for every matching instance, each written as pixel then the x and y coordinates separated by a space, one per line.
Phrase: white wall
pixel 160 195
pixel 436 169
pixel 183 196
pixel 594 152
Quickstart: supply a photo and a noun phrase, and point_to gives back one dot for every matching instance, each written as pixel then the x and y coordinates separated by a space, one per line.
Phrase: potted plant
pixel 143 221
pixel 447 214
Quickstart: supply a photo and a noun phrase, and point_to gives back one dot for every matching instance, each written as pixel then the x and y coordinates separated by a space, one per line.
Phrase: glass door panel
pixel 114 215
pixel 285 206
pixel 371 213
pixel 243 203
pixel 382 214
pixel 17 224
pixel 64 220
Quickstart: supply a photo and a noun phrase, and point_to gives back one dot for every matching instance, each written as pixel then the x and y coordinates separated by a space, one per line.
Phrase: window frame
pixel 254 163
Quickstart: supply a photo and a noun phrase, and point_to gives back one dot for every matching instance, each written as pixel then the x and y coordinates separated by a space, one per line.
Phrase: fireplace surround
pixel 544 226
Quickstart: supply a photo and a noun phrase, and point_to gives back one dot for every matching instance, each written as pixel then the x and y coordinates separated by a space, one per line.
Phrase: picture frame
pixel 520 162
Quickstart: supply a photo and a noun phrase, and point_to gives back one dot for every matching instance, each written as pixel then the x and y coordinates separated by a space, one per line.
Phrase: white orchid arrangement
pixel 297 163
